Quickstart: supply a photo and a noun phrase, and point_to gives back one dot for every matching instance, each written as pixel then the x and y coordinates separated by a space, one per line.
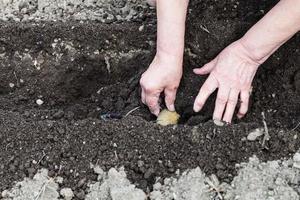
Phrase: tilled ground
pixel 86 72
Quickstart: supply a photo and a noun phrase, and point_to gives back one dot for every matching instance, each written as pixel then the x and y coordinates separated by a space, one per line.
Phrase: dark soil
pixel 69 131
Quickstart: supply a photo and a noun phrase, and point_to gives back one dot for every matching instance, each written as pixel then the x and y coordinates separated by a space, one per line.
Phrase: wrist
pixel 176 58
pixel 259 53
pixel 165 50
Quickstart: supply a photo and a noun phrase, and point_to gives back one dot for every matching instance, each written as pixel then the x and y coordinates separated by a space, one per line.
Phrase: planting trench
pixel 84 72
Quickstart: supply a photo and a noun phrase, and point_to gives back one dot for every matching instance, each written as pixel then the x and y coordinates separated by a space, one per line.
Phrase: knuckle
pixel 170 94
pixel 149 88
pixel 171 90
pixel 151 104
pixel 169 98
pixel 221 100
pixel 232 102
pixel 174 89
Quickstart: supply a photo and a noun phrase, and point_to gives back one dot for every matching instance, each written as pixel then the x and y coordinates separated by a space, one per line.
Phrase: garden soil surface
pixel 87 76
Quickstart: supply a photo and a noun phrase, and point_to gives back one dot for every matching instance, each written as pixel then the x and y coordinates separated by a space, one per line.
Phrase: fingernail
pixel 172 108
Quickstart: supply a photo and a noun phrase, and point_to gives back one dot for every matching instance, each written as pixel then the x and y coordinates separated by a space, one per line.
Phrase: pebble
pixel 296 160
pixel 5 194
pixel 143 184
pixel 98 170
pixel 157 186
pixel 59 180
pixel 218 122
pixel 140 163
pixel 30 171
pixel 81 182
pixel 169 164
pixel 80 195
pixel 220 166
pixel 12 168
pixel 70 115
pixel 39 102
pixel 59 114
pixel 27 113
pixel 61 130
pixel 67 193
pixel 149 173
pixel 171 170
pixel 141 28
pixel 253 135
pixel 11 85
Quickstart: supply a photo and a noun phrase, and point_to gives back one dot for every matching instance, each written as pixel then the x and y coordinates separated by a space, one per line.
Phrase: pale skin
pixel 231 72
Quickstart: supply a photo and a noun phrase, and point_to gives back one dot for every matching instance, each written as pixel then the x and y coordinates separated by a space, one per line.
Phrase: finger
pixel 206 69
pixel 221 101
pixel 244 96
pixel 170 96
pixel 152 103
pixel 231 104
pixel 209 86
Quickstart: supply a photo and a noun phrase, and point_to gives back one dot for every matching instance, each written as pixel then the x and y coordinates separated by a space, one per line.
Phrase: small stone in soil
pixel 218 122
pixel 253 135
pixel 39 102
pixel 59 114
pixel 11 85
pixel 296 160
pixel 67 193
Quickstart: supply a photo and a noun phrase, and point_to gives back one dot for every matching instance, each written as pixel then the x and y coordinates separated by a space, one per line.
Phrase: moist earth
pixel 85 76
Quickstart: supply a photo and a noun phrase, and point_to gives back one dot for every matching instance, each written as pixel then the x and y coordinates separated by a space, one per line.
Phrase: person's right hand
pixel 163 75
pixel 232 72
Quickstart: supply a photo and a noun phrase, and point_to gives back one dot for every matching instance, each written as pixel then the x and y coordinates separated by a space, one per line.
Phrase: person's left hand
pixel 232 72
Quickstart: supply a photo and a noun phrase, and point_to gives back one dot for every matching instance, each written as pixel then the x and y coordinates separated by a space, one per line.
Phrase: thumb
pixel 170 96
pixel 206 69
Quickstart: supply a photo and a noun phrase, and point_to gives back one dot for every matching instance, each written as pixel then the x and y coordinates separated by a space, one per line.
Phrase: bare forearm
pixel 171 16
pixel 274 29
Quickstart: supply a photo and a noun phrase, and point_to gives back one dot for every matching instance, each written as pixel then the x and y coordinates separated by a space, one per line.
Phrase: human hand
pixel 163 75
pixel 232 72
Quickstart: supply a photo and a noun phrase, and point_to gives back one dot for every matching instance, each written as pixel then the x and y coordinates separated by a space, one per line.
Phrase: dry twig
pixel 266 133
pixel 131 111
pixel 296 127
